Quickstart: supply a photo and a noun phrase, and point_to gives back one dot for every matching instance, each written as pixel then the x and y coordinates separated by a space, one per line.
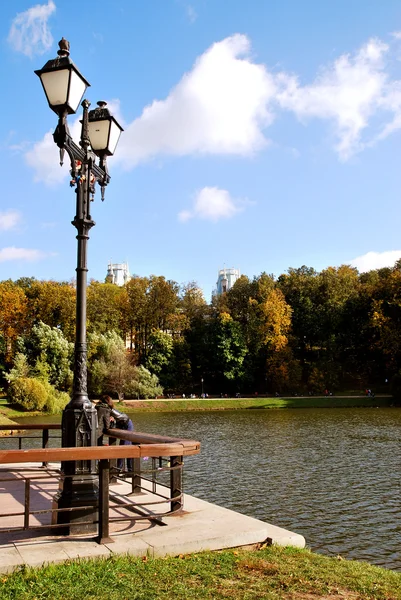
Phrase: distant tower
pixel 118 273
pixel 225 280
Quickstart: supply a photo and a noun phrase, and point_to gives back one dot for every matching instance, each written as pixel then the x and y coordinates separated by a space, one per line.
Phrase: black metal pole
pixel 79 421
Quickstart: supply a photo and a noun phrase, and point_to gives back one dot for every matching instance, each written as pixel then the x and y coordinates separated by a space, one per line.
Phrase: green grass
pixel 13 412
pixel 261 403
pixel 269 573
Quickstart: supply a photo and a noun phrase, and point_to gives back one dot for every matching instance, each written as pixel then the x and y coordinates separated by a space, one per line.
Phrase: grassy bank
pixel 5 416
pixel 270 573
pixel 261 403
pixel 8 411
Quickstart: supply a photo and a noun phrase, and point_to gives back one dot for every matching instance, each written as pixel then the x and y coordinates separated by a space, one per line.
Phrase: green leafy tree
pixel 160 352
pixel 50 354
pixel 20 368
pixel 115 372
pixel 108 364
pixel 143 384
pixel 36 395
pixel 228 348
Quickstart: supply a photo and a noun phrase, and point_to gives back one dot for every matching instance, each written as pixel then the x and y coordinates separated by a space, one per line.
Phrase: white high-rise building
pixel 225 280
pixel 118 273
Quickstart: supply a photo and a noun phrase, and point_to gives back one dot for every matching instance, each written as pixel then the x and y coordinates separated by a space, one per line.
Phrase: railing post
pixel 136 476
pixel 27 503
pixel 45 443
pixel 176 463
pixel 104 474
pixel 113 461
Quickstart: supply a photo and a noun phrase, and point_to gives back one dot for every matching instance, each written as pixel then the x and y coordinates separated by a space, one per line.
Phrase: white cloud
pixel 212 204
pixel 9 219
pixel 219 107
pixel 225 103
pixel 44 155
pixel 44 158
pixel 348 93
pixel 29 31
pixel 376 260
pixel 13 253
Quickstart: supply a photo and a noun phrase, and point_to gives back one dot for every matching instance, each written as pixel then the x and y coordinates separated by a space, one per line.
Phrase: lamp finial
pixel 64 46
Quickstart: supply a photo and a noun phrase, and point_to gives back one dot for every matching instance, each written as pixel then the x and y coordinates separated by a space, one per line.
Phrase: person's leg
pixel 120 461
pixel 130 463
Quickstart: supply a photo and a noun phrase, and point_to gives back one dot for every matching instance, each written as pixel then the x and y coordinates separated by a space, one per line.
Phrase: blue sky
pixel 258 135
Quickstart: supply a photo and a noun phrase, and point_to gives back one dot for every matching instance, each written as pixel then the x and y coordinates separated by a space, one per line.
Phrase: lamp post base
pixel 78 496
pixel 78 501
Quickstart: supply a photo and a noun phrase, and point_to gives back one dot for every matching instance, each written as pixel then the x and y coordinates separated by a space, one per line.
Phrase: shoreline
pixel 188 404
pixel 11 414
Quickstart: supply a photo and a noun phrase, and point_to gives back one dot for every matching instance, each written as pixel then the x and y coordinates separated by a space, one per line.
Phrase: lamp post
pixel 202 385
pixel 64 87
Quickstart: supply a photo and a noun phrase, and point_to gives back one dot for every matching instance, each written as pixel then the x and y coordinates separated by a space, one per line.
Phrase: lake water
pixel 332 475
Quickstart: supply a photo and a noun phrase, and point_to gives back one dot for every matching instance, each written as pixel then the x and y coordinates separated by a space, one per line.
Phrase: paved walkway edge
pixel 202 526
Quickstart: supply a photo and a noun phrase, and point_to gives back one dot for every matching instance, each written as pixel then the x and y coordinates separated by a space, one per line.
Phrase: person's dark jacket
pixel 103 420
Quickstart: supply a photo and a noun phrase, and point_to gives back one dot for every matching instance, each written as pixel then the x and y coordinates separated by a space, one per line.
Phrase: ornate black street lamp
pixel 64 87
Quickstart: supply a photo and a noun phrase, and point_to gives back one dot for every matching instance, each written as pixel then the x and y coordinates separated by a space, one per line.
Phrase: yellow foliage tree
pixel 13 315
pixel 275 320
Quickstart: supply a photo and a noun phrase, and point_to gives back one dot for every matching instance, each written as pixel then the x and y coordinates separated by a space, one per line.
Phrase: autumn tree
pixel 13 317
pixel 192 300
pixel 134 306
pixel 104 307
pixel 53 303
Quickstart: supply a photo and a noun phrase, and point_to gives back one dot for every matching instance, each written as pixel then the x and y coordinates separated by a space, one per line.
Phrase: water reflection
pixel 330 474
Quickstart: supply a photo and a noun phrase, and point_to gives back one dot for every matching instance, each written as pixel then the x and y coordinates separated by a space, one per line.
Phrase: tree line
pixel 303 332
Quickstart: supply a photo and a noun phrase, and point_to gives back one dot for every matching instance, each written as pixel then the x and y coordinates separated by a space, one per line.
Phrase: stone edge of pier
pixel 200 527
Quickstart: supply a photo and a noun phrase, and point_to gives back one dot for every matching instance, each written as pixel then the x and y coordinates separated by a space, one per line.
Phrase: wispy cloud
pixel 9 220
pixel 44 158
pixel 347 93
pixel 376 260
pixel 22 254
pixel 212 204
pixel 48 225
pixel 191 13
pixel 29 31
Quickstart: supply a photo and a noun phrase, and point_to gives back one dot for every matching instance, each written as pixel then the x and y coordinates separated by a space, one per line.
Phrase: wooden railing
pixel 165 454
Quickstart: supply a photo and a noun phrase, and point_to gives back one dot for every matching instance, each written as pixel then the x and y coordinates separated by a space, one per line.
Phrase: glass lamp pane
pixel 115 133
pixel 77 90
pixel 56 86
pixel 99 134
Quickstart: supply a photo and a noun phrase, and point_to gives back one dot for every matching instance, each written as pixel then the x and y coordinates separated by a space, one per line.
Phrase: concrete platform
pixel 201 526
